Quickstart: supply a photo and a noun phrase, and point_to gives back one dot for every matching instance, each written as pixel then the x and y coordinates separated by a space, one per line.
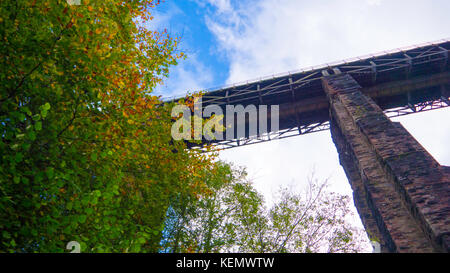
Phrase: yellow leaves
pixel 111 35
pixel 118 134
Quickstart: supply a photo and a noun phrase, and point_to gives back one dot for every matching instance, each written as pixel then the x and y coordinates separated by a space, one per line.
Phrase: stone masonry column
pixel 401 192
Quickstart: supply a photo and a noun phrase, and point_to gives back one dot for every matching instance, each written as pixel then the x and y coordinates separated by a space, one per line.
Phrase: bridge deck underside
pixel 403 82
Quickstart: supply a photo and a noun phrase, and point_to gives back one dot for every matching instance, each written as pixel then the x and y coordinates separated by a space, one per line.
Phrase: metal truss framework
pixel 324 126
pixel 302 101
pixel 368 71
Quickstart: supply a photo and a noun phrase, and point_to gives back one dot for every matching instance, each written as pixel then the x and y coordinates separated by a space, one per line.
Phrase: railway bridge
pixel 401 192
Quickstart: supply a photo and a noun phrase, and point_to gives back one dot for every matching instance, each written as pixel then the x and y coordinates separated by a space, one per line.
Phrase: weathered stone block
pixel 400 191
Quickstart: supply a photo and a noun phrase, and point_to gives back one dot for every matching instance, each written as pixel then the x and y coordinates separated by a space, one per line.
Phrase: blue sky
pixel 205 66
pixel 230 41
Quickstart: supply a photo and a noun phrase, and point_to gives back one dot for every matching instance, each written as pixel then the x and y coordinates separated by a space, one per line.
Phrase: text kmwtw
pixel 246 262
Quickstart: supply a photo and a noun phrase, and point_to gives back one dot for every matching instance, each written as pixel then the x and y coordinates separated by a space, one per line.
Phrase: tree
pixel 235 219
pixel 315 221
pixel 199 225
pixel 86 150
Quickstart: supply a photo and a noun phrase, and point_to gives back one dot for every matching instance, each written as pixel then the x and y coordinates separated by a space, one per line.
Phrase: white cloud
pixel 189 75
pixel 374 2
pixel 222 5
pixel 163 16
pixel 266 37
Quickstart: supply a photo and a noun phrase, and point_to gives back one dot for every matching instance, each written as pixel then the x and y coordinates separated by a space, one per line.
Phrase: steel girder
pixel 301 97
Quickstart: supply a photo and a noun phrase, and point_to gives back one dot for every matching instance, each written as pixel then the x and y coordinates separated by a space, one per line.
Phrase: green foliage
pixel 86 151
pixel 235 219
pixel 87 154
